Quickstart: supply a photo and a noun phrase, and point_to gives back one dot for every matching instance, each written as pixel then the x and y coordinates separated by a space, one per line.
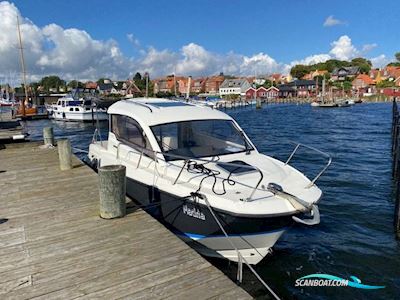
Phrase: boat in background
pixel 69 108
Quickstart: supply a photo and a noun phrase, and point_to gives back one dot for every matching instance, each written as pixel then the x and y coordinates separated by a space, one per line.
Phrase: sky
pixel 90 39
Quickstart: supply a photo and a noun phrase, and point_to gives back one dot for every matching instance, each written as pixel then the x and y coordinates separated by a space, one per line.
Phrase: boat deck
pixel 10 129
pixel 53 244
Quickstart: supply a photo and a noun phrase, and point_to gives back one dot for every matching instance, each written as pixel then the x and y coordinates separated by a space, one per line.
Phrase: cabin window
pixel 76 108
pixel 200 138
pixel 129 131
pixel 71 109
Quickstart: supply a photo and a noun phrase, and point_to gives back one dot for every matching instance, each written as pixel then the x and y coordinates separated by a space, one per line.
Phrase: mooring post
pixel 397 210
pixel 64 154
pixel 112 188
pixel 48 136
pixel 258 103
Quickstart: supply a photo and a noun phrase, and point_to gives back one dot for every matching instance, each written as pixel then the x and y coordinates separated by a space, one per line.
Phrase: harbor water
pixel 355 236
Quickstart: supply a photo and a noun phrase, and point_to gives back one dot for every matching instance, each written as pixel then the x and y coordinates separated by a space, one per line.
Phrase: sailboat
pixel 25 111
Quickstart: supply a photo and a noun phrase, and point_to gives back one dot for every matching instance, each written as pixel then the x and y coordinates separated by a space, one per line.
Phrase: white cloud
pixel 135 42
pixel 379 61
pixel 343 48
pixel 52 49
pixel 368 47
pixel 331 21
pixel 73 53
pixel 312 59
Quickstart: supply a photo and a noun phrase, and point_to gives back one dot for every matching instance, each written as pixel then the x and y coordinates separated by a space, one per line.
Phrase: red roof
pixel 364 77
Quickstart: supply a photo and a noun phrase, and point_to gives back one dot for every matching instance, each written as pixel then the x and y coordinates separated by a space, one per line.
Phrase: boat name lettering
pixel 193 212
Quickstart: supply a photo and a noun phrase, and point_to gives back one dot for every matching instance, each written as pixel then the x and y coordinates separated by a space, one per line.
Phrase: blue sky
pixel 228 31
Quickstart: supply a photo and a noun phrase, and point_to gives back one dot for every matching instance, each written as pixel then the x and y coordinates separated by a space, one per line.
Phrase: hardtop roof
pixel 154 111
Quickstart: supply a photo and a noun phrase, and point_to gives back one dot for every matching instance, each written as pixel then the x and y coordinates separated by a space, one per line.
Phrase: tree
pixel 385 83
pixel 397 55
pixel 299 71
pixel 137 76
pixel 75 84
pixel 140 82
pixel 364 64
pixel 51 82
pixel 267 84
pixel 101 80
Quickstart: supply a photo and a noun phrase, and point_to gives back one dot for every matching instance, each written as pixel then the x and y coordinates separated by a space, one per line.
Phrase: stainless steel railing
pixel 298 145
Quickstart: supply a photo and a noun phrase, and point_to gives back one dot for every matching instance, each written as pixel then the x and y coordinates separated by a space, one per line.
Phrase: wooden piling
pixel 258 103
pixel 395 164
pixel 112 182
pixel 64 154
pixel 48 136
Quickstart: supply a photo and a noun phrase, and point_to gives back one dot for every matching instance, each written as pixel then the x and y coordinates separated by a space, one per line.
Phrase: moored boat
pixel 195 170
pixel 70 109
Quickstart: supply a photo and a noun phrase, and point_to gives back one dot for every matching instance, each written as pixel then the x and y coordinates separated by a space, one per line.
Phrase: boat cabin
pixel 176 130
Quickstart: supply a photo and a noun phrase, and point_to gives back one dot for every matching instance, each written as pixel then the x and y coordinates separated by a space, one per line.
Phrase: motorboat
pixel 5 99
pixel 195 170
pixel 345 102
pixel 69 108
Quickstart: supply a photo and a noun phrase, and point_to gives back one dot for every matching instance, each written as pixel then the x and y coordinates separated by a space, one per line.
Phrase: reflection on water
pixel 355 236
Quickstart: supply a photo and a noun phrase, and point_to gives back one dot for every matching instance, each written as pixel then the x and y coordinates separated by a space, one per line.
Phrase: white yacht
pixel 194 169
pixel 70 109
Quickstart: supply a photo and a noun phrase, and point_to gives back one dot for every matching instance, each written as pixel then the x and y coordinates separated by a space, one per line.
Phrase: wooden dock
pixel 53 244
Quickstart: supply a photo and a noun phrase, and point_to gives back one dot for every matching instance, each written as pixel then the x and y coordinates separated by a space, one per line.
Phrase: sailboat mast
pixel 147 84
pixel 23 67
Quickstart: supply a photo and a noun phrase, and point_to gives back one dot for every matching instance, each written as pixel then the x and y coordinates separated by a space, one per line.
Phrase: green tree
pixel 75 84
pixel 364 64
pixel 140 82
pixel 299 71
pixel 385 83
pixel 101 80
pixel 51 82
pixel 267 84
pixel 397 55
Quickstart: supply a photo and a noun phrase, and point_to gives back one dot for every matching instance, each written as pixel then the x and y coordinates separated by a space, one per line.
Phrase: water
pixel 355 236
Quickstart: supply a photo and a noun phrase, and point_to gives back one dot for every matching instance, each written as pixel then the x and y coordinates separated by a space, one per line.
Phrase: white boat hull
pixel 253 247
pixel 79 116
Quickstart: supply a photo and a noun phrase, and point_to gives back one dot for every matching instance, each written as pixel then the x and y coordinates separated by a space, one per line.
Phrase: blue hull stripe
pixel 195 236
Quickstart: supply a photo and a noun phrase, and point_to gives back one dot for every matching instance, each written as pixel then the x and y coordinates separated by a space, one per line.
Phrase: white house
pixel 234 87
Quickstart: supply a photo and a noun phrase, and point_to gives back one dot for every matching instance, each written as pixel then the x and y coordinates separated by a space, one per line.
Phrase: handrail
pixel 298 145
pixel 250 167
pixel 188 158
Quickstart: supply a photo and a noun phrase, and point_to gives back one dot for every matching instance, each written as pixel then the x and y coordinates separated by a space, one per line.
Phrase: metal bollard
pixel 64 154
pixel 112 188
pixel 48 136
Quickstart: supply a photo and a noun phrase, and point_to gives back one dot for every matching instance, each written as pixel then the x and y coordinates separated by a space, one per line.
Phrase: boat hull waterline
pixel 194 223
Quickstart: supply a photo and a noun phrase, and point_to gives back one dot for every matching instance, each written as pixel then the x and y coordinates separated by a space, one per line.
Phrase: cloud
pixel 331 21
pixel 195 60
pixel 69 53
pixel 135 42
pixel 343 48
pixel 379 61
pixel 312 59
pixel 368 47
pixel 72 53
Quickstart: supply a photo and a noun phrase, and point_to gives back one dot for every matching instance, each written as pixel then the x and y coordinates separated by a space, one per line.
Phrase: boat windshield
pixel 200 138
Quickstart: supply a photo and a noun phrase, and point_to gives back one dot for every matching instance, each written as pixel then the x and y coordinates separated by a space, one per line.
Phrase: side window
pixel 129 131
